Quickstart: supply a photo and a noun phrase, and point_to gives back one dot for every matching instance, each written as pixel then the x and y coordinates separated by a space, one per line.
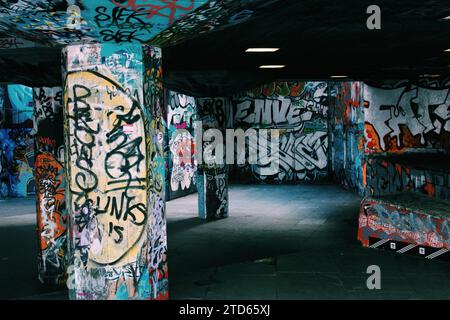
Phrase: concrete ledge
pixel 406 223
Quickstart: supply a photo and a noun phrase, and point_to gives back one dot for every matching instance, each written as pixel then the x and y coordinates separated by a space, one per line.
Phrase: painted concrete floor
pixel 280 242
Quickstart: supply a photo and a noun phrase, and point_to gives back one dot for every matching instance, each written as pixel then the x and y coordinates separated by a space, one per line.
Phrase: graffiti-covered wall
pixel 391 138
pixel 299 110
pixel 407 133
pixel 406 117
pixel 115 128
pixel 50 184
pixel 347 134
pixel 16 141
pixel 426 174
pixel 182 164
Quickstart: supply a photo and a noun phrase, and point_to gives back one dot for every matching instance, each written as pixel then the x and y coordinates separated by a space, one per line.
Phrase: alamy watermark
pixel 374 20
pixel 218 147
pixel 374 280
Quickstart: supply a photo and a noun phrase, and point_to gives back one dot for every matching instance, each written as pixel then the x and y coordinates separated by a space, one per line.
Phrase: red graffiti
pixel 50 200
pixel 46 141
pixel 181 125
pixel 167 9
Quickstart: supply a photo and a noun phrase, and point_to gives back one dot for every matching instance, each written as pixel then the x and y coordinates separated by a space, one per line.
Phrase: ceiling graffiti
pixel 204 41
pixel 59 22
pixel 215 15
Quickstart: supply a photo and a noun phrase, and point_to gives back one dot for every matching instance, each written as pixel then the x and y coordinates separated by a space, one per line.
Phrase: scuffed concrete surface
pixel 280 242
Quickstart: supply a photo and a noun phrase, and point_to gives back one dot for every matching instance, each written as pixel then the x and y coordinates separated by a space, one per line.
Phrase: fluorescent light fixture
pixel 337 77
pixel 272 66
pixel 430 75
pixel 262 49
pixel 447 50
pixel 446 18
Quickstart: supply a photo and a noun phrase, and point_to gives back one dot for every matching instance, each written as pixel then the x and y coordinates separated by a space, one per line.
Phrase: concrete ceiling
pixel 204 41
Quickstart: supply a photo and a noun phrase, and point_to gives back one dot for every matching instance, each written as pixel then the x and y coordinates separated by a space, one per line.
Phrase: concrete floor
pixel 280 242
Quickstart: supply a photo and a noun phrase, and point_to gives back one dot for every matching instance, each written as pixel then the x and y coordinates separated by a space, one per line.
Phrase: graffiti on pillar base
pixel 212 178
pixel 50 184
pixel 299 111
pixel 157 154
pixel 52 217
pixel 213 195
pixel 407 117
pixel 110 209
pixel 116 157
pixel 182 161
pixel 217 192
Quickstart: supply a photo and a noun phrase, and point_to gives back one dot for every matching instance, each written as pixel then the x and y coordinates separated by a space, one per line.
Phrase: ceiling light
pixel 272 66
pixel 262 49
pixel 337 77
pixel 446 18
pixel 447 50
pixel 430 75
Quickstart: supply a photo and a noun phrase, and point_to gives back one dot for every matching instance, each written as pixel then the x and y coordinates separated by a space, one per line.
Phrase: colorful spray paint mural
pixel 182 160
pixel 390 223
pixel 299 110
pixel 406 117
pixel 213 16
pixel 347 134
pixel 16 143
pixel 115 130
pixel 402 144
pixel 406 174
pixel 114 21
pixel 212 177
pixel 410 124
pixel 50 184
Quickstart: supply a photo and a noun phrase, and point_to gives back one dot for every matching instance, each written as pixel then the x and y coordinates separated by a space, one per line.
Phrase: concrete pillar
pixel 182 164
pixel 212 180
pixel 114 131
pixel 50 184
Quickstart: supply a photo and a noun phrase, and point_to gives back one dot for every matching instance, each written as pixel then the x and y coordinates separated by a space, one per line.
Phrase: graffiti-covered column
pixel 114 131
pixel 212 120
pixel 50 184
pixel 181 178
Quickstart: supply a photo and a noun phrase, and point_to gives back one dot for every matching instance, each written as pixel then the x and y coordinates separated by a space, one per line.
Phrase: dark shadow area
pixel 290 242
pixel 284 242
pixel 175 227
pixel 18 265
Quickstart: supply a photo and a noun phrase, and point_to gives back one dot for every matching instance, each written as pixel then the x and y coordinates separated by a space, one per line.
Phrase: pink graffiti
pixel 167 9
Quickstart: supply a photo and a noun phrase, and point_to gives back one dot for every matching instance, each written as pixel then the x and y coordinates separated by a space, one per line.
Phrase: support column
pixel 50 184
pixel 212 180
pixel 114 131
pixel 4 178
